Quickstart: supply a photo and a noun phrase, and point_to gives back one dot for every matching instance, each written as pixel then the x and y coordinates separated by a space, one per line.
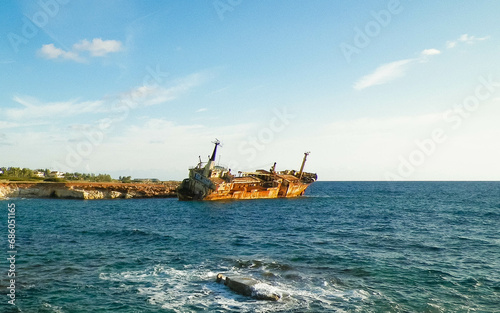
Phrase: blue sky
pixel 379 90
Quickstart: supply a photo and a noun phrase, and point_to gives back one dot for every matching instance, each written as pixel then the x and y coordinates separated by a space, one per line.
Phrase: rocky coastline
pixel 87 190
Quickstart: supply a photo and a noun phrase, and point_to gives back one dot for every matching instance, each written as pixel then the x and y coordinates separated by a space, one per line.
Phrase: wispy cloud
pixel 152 95
pixel 34 109
pixel 6 124
pixel 95 48
pixel 391 71
pixel 383 74
pixel 465 38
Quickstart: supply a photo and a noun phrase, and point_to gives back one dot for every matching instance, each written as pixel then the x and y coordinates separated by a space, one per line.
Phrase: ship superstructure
pixel 213 182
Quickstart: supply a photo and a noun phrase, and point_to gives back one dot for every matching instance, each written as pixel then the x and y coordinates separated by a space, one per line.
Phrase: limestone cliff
pixel 87 190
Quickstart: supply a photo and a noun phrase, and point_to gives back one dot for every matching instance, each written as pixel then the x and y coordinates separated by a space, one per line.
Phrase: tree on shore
pixel 125 179
pixel 16 173
pixel 103 178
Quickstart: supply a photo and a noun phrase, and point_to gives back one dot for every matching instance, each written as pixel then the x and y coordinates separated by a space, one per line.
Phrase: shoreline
pixel 87 190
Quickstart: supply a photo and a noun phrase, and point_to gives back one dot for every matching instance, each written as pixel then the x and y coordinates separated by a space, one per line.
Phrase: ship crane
pixel 303 163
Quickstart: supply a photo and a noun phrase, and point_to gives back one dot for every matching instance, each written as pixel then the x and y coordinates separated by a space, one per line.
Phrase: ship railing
pixel 220 168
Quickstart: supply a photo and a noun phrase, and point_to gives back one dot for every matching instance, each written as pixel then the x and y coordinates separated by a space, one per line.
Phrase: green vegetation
pixel 26 174
pixel 125 179
pixel 88 177
pixel 18 174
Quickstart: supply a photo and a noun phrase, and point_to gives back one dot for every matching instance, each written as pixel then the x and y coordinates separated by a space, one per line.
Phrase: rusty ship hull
pixel 212 182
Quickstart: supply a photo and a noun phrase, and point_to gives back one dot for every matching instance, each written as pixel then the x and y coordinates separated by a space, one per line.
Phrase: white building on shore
pixel 39 174
pixel 57 174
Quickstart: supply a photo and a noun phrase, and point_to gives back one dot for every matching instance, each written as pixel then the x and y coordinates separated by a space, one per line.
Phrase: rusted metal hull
pixel 191 189
pixel 251 192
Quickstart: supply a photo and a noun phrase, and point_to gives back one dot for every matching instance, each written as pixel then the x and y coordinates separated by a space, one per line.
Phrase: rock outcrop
pixel 87 190
pixel 250 287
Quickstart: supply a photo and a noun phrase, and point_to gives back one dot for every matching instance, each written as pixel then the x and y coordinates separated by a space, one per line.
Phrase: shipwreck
pixel 213 182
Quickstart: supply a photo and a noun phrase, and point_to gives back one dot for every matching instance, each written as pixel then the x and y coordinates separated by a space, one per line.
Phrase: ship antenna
pixel 303 163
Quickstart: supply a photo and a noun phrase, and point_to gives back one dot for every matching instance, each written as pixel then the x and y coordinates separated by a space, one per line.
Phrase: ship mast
pixel 303 163
pixel 210 164
pixel 217 143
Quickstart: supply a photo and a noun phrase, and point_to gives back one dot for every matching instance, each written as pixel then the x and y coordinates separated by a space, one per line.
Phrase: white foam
pixel 262 290
pixel 175 289
pixel 436 308
pixel 53 308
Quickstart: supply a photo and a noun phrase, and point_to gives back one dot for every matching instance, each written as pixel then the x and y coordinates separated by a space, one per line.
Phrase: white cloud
pixel 383 74
pixel 98 47
pixel 201 110
pixel 465 38
pixel 6 124
pixel 451 44
pixel 51 52
pixel 430 52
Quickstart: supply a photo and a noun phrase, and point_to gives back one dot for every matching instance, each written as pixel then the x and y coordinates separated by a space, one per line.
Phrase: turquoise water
pixel 345 247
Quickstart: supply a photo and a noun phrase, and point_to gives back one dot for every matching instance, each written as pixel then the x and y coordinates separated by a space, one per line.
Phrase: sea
pixel 343 247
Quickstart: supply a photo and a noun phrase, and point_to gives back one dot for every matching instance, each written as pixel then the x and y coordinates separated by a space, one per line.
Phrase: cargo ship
pixel 213 182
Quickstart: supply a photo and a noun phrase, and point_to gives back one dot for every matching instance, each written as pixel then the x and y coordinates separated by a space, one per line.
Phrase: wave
pixel 47 307
pixel 260 264
pixel 194 288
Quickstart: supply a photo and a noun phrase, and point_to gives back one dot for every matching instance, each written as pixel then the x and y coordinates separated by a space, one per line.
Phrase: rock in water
pixel 249 287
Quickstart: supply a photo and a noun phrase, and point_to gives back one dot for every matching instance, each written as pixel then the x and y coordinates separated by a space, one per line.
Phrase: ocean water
pixel 344 247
